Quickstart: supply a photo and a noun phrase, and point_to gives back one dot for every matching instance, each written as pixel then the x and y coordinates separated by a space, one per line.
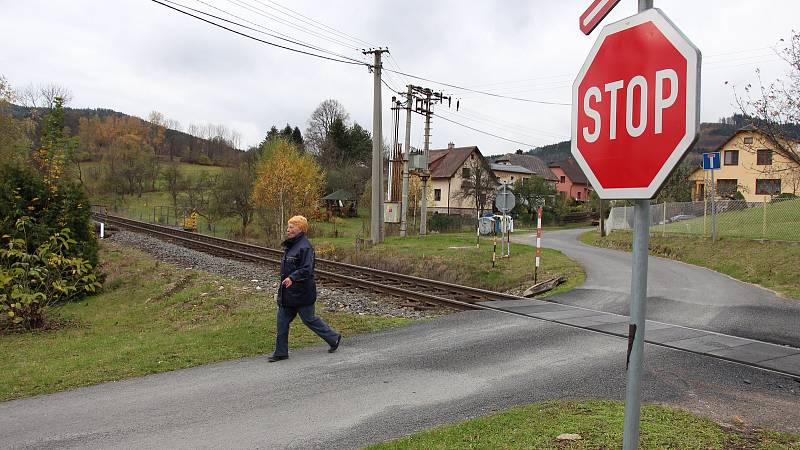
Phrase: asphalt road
pixel 385 385
pixel 677 293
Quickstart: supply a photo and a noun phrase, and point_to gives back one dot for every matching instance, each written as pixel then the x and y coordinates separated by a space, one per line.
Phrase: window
pixel 727 187
pixel 732 157
pixel 437 195
pixel 764 157
pixel 563 179
pixel 579 195
pixel 768 187
pixel 512 177
pixel 465 173
pixel 748 140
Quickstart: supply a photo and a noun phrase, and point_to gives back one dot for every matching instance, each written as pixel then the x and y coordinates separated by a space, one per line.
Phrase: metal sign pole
pixel 713 208
pixel 635 361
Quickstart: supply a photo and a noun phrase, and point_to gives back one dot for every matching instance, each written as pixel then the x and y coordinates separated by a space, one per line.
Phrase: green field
pixel 598 423
pixel 153 317
pixel 772 221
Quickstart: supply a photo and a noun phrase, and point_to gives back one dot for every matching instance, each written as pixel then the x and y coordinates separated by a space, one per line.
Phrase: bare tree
pixel 320 122
pixel 776 110
pixel 44 95
pixel 478 184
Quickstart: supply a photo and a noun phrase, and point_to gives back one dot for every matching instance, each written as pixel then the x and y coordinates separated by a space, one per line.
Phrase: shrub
pixel 33 282
pixel 23 193
pixel 786 195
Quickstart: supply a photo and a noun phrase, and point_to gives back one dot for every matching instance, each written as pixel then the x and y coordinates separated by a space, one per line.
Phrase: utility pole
pixel 376 211
pixel 406 155
pixel 423 209
pixel 425 107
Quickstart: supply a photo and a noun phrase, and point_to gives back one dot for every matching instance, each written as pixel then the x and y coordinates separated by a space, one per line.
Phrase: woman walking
pixel 297 292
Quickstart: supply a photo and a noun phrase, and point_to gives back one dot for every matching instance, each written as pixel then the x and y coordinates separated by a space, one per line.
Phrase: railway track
pixel 418 292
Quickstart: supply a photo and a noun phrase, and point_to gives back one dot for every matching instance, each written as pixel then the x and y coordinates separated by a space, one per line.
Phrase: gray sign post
pixel 504 201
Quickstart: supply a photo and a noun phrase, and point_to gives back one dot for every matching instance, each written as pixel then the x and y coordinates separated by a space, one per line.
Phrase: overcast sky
pixel 136 56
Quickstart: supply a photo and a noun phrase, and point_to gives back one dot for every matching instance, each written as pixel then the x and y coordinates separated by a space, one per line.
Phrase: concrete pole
pixel 638 311
pixel 406 156
pixel 423 216
pixel 376 211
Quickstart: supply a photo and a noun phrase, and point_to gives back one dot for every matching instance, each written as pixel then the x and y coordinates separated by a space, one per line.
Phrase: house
pixel 510 173
pixel 530 162
pixel 571 181
pixel 750 165
pixel 449 167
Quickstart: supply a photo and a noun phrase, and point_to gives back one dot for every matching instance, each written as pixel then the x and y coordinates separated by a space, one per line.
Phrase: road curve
pixel 677 293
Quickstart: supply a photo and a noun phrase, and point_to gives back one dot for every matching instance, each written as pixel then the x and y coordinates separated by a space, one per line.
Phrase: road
pixel 385 385
pixel 677 293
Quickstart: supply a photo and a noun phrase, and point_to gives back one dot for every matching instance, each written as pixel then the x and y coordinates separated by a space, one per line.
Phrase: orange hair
pixel 300 222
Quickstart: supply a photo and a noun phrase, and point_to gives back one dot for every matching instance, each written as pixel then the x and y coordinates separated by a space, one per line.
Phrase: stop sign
pixel 635 105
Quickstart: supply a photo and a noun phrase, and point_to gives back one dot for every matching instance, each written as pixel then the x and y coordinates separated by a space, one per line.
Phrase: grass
pixel 774 221
pixel 599 424
pixel 455 258
pixel 153 317
pixel 773 265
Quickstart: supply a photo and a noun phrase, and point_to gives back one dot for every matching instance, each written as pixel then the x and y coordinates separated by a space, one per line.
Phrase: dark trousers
pixel 286 315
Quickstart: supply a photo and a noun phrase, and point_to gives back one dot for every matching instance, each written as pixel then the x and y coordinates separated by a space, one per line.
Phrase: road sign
pixel 596 12
pixel 711 160
pixel 505 200
pixel 635 105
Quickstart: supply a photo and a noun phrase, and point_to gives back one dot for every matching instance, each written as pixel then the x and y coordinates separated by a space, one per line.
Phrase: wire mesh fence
pixel 772 219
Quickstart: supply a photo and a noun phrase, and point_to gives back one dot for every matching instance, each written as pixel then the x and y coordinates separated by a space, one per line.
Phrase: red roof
pixel 444 163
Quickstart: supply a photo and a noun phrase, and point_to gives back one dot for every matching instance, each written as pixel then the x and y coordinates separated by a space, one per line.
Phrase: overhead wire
pixel 341 33
pixel 482 131
pixel 278 35
pixel 255 38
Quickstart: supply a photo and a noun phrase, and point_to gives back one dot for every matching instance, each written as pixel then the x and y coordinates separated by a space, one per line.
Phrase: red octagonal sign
pixel 635 106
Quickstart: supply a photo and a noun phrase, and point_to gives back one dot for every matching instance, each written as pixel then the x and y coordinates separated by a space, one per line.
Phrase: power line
pixel 351 38
pixel 542 102
pixel 300 43
pixel 263 13
pixel 257 39
pixel 483 132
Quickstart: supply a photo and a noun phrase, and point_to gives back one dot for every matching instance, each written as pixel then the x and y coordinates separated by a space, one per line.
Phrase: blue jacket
pixel 297 263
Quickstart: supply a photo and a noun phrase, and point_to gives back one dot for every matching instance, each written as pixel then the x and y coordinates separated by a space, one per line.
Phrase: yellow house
pixel 449 167
pixel 752 166
pixel 510 173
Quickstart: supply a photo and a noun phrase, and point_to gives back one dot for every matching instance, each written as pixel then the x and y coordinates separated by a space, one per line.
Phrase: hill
pixel 185 147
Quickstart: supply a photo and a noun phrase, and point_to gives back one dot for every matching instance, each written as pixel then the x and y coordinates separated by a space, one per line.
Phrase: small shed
pixel 341 203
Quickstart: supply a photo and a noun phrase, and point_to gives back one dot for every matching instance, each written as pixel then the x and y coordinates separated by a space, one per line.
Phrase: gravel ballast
pixel 266 278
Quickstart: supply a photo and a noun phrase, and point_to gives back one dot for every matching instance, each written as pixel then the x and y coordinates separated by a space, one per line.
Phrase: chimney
pixel 451 145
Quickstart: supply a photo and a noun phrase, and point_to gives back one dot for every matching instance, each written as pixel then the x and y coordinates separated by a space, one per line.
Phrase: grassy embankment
pixel 153 317
pixel 455 258
pixel 599 424
pixel 773 265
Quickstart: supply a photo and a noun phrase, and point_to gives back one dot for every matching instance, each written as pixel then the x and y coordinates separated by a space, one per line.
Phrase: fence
pixel 776 219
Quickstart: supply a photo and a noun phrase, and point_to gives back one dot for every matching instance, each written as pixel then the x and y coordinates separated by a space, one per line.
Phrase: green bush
pixel 787 195
pixel 31 283
pixel 23 193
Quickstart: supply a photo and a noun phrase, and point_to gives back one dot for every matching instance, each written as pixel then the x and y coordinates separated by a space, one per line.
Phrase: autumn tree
pixel 175 182
pixel 237 188
pixel 287 182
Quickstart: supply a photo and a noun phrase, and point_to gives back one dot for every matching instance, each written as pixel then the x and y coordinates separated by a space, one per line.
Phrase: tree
pixel 287 182
pixel 297 139
pixel 14 141
pixel 776 110
pixel 175 182
pixel 319 124
pixel 478 184
pixel 415 196
pixel 45 95
pixel 237 189
pixel 678 187
pixel 533 192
